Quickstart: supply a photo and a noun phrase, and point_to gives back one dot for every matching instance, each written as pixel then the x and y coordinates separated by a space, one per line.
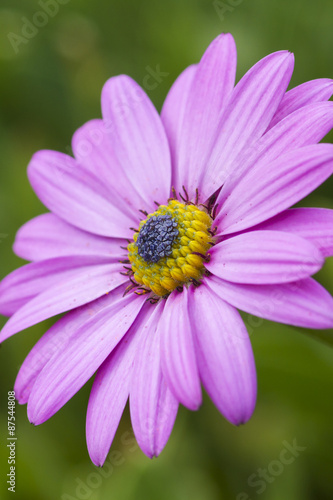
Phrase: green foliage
pixel 50 84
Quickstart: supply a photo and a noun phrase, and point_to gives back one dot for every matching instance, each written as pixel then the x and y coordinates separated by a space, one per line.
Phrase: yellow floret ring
pixel 170 246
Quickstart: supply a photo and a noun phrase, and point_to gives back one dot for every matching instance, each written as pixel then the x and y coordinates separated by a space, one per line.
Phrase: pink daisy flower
pixel 160 229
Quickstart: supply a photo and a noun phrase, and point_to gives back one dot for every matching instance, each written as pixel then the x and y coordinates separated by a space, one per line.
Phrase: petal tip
pixel 241 419
pixel 98 461
pixel 194 403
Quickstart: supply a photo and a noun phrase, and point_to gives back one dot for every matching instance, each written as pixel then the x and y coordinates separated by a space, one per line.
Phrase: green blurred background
pixel 49 87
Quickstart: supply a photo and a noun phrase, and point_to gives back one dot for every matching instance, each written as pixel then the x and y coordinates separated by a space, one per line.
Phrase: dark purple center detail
pixel 156 238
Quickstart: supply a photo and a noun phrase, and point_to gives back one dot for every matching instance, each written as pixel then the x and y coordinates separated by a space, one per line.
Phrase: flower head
pixel 159 229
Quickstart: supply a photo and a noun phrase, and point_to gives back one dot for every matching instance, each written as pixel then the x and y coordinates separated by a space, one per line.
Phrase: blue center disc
pixel 156 238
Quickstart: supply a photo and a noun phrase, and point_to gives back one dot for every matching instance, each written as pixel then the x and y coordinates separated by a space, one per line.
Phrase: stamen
pixel 129 288
pixel 195 282
pixel 213 231
pixel 186 199
pixel 142 291
pixel 153 300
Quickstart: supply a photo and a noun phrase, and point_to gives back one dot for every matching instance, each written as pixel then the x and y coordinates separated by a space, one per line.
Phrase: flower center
pixel 156 238
pixel 170 247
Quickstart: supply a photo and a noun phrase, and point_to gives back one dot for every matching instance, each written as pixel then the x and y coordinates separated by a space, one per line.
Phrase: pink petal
pixel 110 391
pixel 306 93
pixel 37 358
pixel 224 354
pixel 26 282
pixel 92 148
pixel 251 108
pixel 51 342
pixel 314 224
pixel 178 359
pixel 138 138
pixel 173 112
pixel 47 236
pixel 86 284
pixel 152 405
pixel 302 303
pixel 72 193
pixel 208 97
pixel 268 189
pixel 261 257
pixel 305 126
pixel 71 367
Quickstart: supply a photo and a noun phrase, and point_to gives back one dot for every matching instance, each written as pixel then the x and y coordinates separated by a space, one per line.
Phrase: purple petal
pixel 305 126
pixel 77 360
pixel 302 303
pixel 37 358
pixel 152 405
pixel 138 138
pixel 314 224
pixel 224 354
pixel 209 95
pixel 261 257
pixel 51 342
pixel 306 93
pixel 110 391
pixel 72 193
pixel 251 108
pixel 92 148
pixel 268 189
pixel 84 285
pixel 173 111
pixel 26 282
pixel 178 359
pixel 47 236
